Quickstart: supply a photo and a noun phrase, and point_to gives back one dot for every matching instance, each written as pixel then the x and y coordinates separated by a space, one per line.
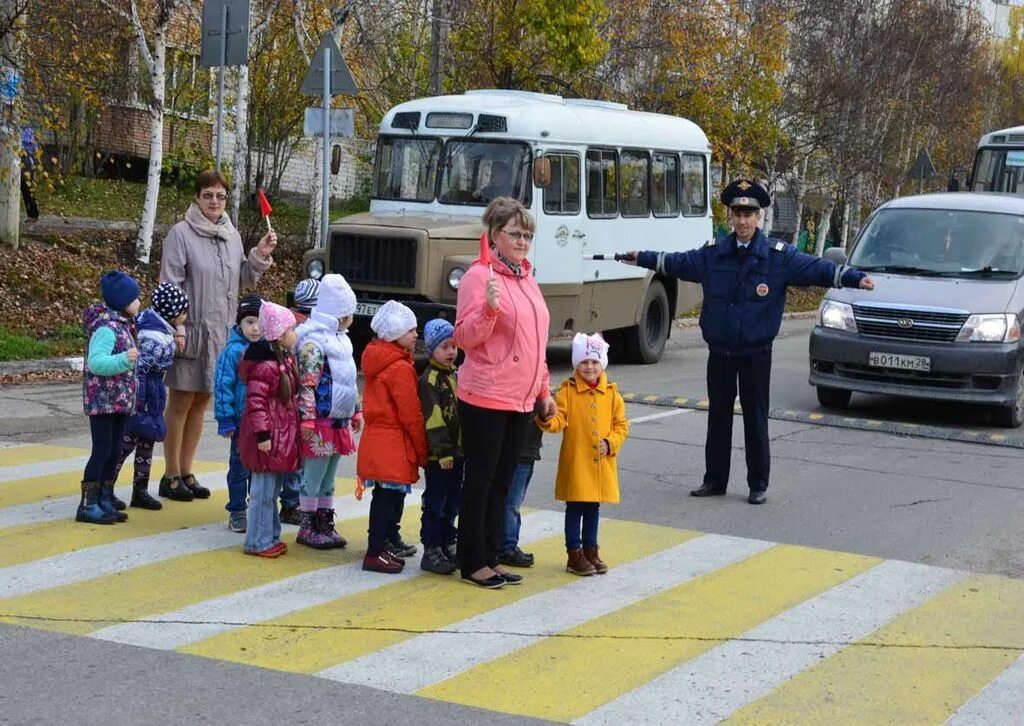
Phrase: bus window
pixel 636 166
pixel 477 172
pixel 602 183
pixel 999 170
pixel 562 195
pixel 406 169
pixel 665 185
pixel 695 186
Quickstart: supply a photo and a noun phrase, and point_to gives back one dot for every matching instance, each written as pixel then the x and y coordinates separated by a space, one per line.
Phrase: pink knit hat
pixel 274 320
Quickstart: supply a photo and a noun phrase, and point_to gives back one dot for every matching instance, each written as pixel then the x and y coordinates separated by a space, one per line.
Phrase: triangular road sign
pixel 341 79
pixel 923 168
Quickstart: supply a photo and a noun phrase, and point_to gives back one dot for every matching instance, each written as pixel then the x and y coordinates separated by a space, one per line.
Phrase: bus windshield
pixel 999 170
pixel 406 168
pixel 476 172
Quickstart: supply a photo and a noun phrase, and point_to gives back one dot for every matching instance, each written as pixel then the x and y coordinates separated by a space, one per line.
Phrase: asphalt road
pixel 956 504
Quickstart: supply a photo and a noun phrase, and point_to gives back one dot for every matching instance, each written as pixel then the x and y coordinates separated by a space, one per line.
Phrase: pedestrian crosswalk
pixel 687 627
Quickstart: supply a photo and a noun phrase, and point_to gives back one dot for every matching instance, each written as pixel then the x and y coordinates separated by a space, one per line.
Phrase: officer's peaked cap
pixel 746 194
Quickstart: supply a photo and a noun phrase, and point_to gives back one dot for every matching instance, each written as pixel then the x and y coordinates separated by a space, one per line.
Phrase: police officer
pixel 744 276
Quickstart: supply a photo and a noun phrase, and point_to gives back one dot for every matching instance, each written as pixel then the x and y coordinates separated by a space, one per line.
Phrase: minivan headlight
pixel 837 315
pixel 455 277
pixel 315 269
pixel 992 328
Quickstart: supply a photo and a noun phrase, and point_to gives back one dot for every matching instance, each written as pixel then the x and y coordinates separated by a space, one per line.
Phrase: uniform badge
pixel 762 290
pixel 744 185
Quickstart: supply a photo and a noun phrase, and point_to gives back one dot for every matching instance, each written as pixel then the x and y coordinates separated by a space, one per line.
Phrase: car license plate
pixel 367 309
pixel 903 362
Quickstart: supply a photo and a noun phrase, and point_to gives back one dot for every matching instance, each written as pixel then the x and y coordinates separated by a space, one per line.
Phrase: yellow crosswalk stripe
pixel 169 585
pixel 565 677
pixel 25 491
pixel 18 455
pixel 35 541
pixel 918 669
pixel 392 613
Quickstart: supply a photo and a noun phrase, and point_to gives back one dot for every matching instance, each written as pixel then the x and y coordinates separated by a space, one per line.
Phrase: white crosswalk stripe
pixel 1001 697
pixel 412 665
pixel 17 472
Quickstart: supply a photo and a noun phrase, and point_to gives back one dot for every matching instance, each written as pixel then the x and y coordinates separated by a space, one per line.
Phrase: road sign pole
pixel 325 202
pixel 220 83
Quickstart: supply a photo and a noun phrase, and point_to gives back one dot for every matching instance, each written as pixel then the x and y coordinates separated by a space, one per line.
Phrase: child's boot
pixel 578 564
pixel 593 556
pixel 325 522
pixel 380 562
pixel 141 497
pixel 107 502
pixel 118 504
pixel 310 534
pixel 434 560
pixel 89 509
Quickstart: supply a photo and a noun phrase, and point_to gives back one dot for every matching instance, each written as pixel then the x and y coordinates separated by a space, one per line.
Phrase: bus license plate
pixel 367 309
pixel 903 362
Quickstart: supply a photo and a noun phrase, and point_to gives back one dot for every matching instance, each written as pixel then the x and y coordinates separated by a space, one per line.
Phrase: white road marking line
pixel 414 664
pixel 712 686
pixel 42 468
pixel 276 599
pixel 995 702
pixel 91 562
pixel 661 415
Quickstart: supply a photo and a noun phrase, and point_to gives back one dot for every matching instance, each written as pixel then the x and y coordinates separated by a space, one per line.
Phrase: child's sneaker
pixel 269 553
pixel 451 551
pixel 238 522
pixel 281 547
pixel 399 548
pixel 591 553
pixel 435 561
pixel 380 562
pixel 290 515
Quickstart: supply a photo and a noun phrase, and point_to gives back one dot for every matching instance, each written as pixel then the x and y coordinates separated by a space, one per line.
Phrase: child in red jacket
pixel 394 443
pixel 268 438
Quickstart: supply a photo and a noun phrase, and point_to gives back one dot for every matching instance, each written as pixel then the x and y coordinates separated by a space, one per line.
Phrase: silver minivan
pixel 944 319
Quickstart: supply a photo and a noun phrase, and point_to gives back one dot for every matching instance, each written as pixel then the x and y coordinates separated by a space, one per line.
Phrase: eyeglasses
pixel 210 196
pixel 518 236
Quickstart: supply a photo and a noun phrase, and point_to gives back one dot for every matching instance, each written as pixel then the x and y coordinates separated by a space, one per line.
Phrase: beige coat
pixel 208 262
pixel 586 416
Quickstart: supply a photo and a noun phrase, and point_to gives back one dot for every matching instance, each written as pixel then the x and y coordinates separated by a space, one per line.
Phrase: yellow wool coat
pixel 586 415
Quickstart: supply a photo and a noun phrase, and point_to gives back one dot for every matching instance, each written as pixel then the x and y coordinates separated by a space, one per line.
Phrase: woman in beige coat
pixel 203 255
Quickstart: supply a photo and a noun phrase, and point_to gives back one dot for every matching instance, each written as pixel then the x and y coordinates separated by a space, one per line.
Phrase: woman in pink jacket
pixel 502 324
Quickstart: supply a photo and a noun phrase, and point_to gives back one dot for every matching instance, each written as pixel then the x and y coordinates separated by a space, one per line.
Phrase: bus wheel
pixel 645 343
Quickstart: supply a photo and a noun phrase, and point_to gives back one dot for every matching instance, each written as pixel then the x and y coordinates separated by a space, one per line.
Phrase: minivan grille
pixel 939 326
pixel 374 260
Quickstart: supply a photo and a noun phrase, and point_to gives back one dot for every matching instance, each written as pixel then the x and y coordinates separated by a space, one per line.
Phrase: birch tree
pixel 151 42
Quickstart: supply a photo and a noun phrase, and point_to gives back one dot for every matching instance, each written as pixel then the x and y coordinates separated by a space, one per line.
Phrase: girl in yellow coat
pixel 593 416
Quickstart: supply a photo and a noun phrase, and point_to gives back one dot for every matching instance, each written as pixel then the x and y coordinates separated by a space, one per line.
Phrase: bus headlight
pixel 455 277
pixel 315 269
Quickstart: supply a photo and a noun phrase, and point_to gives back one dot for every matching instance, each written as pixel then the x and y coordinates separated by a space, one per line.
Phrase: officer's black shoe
pixel 706 490
pixel 759 497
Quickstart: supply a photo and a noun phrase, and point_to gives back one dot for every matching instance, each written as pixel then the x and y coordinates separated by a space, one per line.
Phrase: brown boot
pixel 591 553
pixel 578 564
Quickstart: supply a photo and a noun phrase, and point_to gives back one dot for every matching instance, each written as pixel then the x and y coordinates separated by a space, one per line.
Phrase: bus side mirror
pixel 542 172
pixel 335 159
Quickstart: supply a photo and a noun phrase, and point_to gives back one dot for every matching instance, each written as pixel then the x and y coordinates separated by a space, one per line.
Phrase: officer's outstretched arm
pixel 688 266
pixel 804 270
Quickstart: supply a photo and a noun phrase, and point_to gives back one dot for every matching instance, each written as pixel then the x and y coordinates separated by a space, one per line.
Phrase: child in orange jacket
pixel 592 415
pixel 393 445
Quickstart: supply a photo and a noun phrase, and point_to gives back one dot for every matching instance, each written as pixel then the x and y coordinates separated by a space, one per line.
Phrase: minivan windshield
pixel 942 242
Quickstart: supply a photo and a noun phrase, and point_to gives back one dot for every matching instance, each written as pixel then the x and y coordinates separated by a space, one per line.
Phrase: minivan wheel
pixel 833 397
pixel 645 343
pixel 1012 417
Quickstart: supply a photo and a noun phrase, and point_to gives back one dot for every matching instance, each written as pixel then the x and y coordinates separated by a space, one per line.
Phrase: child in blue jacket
pixel 229 402
pixel 155 332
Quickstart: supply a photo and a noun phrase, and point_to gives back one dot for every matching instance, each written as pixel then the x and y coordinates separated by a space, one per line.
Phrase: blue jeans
pixel 441 499
pixel 264 525
pixel 238 478
pixel 587 513
pixel 290 490
pixel 516 494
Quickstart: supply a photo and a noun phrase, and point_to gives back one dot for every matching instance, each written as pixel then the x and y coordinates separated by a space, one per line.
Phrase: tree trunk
pixel 239 174
pixel 315 198
pixel 823 226
pixel 10 142
pixel 844 227
pixel 156 141
pixel 855 205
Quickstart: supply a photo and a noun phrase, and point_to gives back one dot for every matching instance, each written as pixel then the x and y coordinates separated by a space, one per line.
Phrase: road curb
pixel 19 367
pixel 971 436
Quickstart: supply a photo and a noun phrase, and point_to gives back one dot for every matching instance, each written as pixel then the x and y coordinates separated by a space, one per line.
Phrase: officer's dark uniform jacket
pixel 744 300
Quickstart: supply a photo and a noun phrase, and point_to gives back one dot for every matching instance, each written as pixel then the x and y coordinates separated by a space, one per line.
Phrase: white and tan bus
pixel 999 163
pixel 597 177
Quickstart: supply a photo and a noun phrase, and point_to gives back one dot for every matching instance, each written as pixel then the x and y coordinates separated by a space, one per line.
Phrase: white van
pixel 597 177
